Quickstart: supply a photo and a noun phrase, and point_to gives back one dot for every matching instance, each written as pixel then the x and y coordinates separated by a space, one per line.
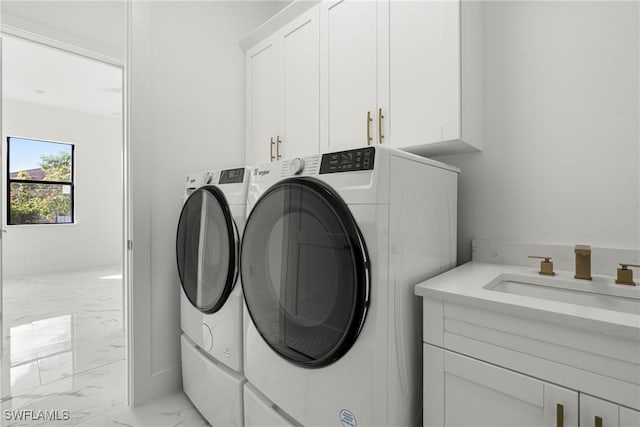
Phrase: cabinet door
pixel 425 100
pixel 629 417
pixel 595 412
pixel 262 100
pixel 348 73
pixel 480 394
pixel 299 129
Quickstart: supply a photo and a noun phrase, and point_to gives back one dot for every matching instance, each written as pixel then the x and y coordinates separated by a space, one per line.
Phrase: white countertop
pixel 464 285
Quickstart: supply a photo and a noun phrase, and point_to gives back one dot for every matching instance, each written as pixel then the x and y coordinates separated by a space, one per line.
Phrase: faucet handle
pixel 546 266
pixel 625 276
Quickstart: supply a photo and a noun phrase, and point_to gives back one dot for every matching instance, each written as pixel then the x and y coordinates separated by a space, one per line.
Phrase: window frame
pixel 9 181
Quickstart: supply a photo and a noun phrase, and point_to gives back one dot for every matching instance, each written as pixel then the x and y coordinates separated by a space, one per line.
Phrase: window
pixel 40 182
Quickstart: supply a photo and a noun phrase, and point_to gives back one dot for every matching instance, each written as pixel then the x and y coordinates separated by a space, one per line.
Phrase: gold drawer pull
pixel 559 415
pixel 598 421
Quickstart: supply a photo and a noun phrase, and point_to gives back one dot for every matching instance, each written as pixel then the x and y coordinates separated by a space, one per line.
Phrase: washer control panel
pixel 297 166
pixel 207 177
pixel 231 176
pixel 348 161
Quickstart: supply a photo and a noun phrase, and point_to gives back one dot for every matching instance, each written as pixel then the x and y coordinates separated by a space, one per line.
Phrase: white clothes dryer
pixel 333 247
pixel 211 304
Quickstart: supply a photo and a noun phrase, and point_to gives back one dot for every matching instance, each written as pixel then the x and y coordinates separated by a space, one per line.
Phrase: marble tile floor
pixel 63 346
pixel 174 410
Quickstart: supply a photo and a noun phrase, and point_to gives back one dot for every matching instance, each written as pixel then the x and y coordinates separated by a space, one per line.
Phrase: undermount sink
pixel 597 294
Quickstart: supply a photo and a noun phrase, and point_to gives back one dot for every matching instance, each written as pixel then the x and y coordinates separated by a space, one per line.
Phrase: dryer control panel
pixel 348 161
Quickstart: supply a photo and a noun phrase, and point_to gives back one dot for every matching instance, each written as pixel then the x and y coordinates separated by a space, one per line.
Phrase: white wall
pixel 98 26
pixel 95 239
pixel 561 155
pixel 187 114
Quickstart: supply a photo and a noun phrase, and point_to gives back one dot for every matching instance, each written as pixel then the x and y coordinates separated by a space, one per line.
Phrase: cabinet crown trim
pixel 276 22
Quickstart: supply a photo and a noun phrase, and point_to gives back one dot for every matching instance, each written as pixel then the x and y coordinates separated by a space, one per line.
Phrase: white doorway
pixel 63 299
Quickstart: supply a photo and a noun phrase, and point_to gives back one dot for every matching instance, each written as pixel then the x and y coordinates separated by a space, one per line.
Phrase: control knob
pixel 297 166
pixel 207 178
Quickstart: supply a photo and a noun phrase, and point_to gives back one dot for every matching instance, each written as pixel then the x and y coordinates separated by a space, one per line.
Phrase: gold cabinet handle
pixel 597 421
pixel 278 142
pixel 369 120
pixel 380 134
pixel 272 142
pixel 559 415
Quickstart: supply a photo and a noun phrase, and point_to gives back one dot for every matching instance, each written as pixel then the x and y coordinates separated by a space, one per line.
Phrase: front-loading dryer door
pixel 305 272
pixel 207 249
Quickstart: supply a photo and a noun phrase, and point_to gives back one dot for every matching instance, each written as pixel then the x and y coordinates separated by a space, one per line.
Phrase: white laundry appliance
pixel 333 247
pixel 211 305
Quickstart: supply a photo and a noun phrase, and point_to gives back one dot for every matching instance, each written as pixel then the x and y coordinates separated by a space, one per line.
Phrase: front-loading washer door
pixel 207 249
pixel 305 272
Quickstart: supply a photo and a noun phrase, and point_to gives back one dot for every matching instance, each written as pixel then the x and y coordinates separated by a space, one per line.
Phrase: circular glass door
pixel 305 272
pixel 207 249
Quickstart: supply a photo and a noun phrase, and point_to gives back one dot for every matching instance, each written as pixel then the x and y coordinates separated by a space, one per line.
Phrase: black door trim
pixel 234 249
pixel 361 265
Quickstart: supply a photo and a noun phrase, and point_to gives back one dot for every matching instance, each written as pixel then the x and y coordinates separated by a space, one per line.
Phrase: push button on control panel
pixel 348 161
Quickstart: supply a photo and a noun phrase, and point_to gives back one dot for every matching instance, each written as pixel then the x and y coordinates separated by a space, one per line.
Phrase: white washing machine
pixel 333 247
pixel 211 304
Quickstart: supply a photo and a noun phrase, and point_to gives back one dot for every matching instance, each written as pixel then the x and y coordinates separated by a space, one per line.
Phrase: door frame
pixel 126 244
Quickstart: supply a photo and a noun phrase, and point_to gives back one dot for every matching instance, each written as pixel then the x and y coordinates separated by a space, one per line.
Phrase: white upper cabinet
pixel 424 73
pixel 401 73
pixel 262 100
pixel 435 76
pixel 300 113
pixel 283 92
pixel 349 73
pixel 352 73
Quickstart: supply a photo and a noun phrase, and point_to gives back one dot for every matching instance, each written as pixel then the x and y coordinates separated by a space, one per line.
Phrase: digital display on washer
pixel 231 176
pixel 348 161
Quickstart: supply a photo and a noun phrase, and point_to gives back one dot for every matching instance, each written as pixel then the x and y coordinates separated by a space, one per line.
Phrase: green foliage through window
pixel 40 182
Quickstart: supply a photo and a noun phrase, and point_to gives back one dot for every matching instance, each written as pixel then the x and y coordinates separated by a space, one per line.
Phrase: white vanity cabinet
pixel 461 391
pixel 596 412
pixel 489 363
pixel 628 417
pixel 283 92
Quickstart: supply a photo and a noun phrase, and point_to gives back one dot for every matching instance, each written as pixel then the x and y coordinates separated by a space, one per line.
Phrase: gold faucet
pixel 583 262
pixel 546 266
pixel 625 276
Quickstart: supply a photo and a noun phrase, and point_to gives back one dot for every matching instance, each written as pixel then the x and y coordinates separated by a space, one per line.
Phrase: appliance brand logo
pixel 347 418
